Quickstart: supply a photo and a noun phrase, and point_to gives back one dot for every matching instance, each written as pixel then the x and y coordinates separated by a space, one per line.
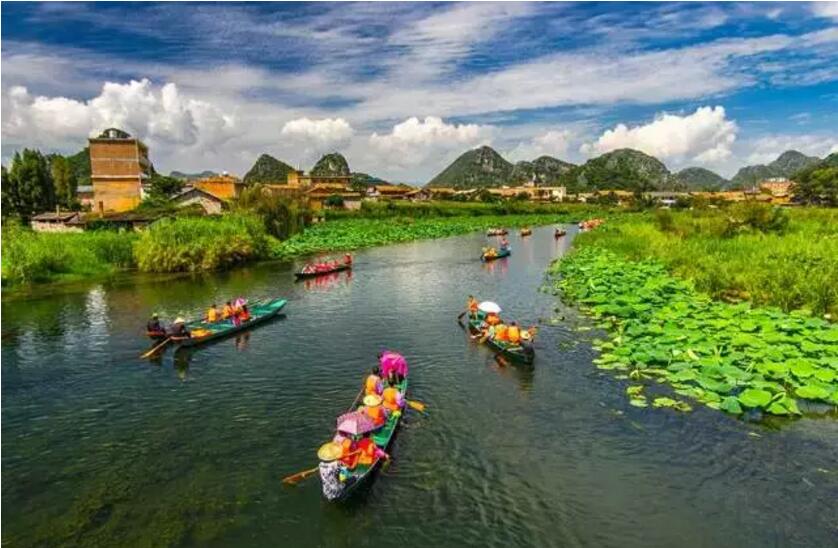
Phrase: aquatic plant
pixel 731 357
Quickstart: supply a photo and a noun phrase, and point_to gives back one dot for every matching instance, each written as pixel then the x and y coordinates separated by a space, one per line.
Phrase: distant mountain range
pixel 621 169
pixel 192 176
pixel 268 169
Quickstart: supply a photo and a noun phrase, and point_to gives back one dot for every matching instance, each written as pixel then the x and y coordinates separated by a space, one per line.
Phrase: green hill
pixel 544 170
pixel 268 169
pixel 331 164
pixel 786 165
pixel 192 176
pixel 481 167
pixel 698 178
pixel 622 169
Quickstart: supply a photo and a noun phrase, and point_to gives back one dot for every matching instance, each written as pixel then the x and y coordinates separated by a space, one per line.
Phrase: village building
pixel 85 196
pixel 119 169
pixel 224 187
pixel 189 196
pixel 391 192
pixel 320 194
pixel 57 221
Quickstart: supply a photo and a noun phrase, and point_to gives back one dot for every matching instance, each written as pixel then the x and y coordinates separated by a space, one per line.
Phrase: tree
pixel 64 181
pixel 164 187
pixel 818 186
pixel 335 200
pixel 28 187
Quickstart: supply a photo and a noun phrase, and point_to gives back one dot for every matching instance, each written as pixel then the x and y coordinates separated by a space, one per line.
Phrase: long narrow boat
pixel 362 474
pixel 497 232
pixel 500 255
pixel 203 332
pixel 559 233
pixel 515 352
pixel 526 231
pixel 341 267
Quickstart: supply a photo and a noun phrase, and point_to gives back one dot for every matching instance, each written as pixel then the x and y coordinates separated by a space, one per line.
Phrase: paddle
pixel 156 348
pixel 299 476
pixel 417 405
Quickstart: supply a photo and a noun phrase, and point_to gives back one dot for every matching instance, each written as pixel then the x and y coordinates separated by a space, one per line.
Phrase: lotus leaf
pixel 634 390
pixel 753 397
pixel 638 402
pixel 825 375
pixel 811 348
pixel 664 402
pixel 731 405
pixel 801 368
pixel 828 335
pixel 812 392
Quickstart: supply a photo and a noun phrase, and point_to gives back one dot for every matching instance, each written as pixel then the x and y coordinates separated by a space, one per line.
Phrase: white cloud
pixel 316 137
pixel 553 143
pixel 827 10
pixel 413 141
pixel 705 137
pixel 157 115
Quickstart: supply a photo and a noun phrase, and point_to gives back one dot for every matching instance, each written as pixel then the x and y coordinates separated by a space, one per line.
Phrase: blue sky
pixel 403 88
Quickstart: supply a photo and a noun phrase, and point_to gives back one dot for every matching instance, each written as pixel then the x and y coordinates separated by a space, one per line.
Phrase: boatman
pixel 153 325
pixel 178 329
pixel 471 306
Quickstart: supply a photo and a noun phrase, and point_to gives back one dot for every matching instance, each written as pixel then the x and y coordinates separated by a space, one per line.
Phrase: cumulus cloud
pixel 160 115
pixel 765 149
pixel 705 136
pixel 553 143
pixel 411 142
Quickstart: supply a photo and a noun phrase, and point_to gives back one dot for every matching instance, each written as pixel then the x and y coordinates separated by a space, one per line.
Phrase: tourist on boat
pixel 227 311
pixel 153 326
pixel 514 333
pixel 374 409
pixel 369 451
pixel 347 259
pixel 504 244
pixel 393 365
pixel 244 314
pixel 492 319
pixel 212 314
pixel 178 329
pixel 393 399
pixel 471 306
pixel 372 386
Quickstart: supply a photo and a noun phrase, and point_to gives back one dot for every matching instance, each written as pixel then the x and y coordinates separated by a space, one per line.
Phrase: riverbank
pixel 207 244
pixel 676 346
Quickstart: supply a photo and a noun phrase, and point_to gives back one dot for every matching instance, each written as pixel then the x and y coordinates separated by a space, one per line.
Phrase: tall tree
pixel 64 180
pixel 28 188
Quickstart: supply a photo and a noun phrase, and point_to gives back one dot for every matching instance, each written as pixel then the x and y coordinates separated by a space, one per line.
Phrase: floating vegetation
pixel 729 357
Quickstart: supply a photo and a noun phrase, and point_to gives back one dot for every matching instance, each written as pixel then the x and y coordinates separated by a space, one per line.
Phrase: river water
pixel 100 448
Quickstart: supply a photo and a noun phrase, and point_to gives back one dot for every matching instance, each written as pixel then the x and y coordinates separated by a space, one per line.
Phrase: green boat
pixel 361 474
pixel 515 352
pixel 259 313
pixel 500 255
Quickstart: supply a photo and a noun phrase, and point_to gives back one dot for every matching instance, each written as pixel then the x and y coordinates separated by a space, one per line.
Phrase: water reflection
pixel 326 282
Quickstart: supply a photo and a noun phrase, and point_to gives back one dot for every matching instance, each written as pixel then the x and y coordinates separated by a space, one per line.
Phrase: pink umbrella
pixel 392 361
pixel 355 423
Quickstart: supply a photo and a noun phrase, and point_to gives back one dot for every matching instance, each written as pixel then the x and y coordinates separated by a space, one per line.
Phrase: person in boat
pixel 227 311
pixel 244 314
pixel 369 451
pixel 347 259
pixel 392 398
pixel 213 314
pixel 504 244
pixel 153 326
pixel 471 306
pixel 490 252
pixel 513 334
pixel 372 386
pixel 492 319
pixel 393 366
pixel 178 329
pixel 374 409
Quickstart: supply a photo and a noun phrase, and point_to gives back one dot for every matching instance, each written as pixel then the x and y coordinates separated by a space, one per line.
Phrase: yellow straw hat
pixel 329 451
pixel 371 400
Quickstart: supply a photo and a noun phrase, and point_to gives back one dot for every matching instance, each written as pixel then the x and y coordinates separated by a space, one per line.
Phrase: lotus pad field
pixel 731 357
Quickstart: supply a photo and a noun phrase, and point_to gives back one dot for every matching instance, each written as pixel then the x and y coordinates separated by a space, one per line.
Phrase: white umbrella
pixel 489 307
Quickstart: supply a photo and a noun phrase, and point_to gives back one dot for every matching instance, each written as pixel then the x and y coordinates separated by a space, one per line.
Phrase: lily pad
pixel 754 397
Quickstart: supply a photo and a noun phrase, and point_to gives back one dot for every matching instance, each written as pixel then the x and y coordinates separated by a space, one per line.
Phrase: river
pixel 100 448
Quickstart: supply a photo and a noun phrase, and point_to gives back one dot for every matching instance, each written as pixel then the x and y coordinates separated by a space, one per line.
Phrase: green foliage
pixel 331 164
pixel 335 200
pixel 30 257
pixel 790 260
pixel 818 184
pixel 165 187
pixel 481 167
pixel 64 181
pixel 201 243
pixel 454 208
pixel 28 187
pixel 725 356
pixel 283 216
pixel 80 165
pixel 623 169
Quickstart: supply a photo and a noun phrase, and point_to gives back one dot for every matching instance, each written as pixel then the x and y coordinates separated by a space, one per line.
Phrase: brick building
pixel 119 168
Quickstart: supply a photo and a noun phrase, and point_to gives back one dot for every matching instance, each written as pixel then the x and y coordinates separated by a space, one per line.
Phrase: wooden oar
pixel 299 476
pixel 156 348
pixel 417 405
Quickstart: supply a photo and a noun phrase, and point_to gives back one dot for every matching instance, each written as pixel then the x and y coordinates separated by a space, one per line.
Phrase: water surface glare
pixel 100 448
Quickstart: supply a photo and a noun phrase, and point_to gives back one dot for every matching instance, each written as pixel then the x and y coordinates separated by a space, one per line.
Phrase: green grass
pixel 31 257
pixel 737 254
pixel 447 208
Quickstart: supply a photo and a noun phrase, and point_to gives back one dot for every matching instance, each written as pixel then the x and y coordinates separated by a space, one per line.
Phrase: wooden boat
pixel 362 474
pixel 559 233
pixel 497 232
pixel 515 352
pixel 526 231
pixel 500 255
pixel 341 267
pixel 203 332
